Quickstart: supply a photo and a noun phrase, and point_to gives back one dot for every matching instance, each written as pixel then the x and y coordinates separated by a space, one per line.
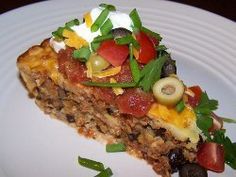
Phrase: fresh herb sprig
pixel 203 112
pixel 229 147
pixel 151 73
pixel 95 165
pixel 58 34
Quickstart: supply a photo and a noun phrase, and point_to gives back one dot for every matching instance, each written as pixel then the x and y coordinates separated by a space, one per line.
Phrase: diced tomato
pixel 74 70
pixel 113 53
pixel 211 156
pixel 134 102
pixel 194 101
pixel 147 50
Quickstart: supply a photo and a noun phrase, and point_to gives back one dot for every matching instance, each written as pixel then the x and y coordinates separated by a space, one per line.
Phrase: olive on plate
pixel 192 170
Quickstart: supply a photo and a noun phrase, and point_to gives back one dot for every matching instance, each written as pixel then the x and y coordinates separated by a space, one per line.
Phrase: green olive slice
pixel 168 90
pixel 98 63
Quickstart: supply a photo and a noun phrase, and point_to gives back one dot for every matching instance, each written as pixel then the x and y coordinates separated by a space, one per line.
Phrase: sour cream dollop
pixel 118 20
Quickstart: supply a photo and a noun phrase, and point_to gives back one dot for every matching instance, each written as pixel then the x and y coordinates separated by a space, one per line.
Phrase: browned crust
pixel 79 107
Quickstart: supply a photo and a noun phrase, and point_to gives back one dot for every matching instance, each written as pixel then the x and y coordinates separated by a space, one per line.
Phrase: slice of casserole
pixel 111 78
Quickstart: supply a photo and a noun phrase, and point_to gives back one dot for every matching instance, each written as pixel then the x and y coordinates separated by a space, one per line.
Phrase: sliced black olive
pixel 192 170
pixel 168 68
pixel 176 159
pixel 120 32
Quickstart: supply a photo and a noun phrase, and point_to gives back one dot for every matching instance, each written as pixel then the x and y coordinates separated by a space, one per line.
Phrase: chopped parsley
pixel 203 112
pixel 151 73
pixel 229 147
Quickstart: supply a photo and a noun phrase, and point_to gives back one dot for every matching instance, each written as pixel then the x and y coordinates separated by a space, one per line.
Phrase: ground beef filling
pixel 86 110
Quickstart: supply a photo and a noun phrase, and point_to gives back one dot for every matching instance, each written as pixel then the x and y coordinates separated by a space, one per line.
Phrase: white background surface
pixel 31 144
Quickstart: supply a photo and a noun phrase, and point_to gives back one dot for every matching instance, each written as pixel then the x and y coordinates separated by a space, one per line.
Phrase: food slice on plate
pixel 110 77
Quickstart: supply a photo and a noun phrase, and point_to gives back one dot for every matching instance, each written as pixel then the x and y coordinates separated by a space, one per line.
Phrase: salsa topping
pixel 126 64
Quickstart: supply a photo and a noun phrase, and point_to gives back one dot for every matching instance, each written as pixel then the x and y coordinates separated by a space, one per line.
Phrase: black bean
pixel 133 136
pixel 192 170
pixel 109 111
pixel 176 159
pixel 70 118
pixel 159 132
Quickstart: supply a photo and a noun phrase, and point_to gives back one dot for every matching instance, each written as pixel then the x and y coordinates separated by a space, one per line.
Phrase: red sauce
pixel 134 102
pixel 125 74
pixel 74 70
pixel 105 94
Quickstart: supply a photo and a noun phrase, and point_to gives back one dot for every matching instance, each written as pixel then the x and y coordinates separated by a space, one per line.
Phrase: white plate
pixel 31 144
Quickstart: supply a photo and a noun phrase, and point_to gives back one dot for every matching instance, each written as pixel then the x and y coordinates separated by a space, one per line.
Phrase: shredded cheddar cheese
pixel 108 72
pixel 73 40
pixel 88 19
pixel 170 115
pixel 89 69
pixel 116 90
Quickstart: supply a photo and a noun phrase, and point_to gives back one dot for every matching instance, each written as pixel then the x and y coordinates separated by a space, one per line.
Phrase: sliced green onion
pixel 108 6
pixel 82 54
pixel 180 106
pixel 88 163
pixel 72 23
pixel 117 147
pixel 100 20
pixel 103 38
pixel 106 27
pixel 58 33
pixel 127 40
pixel 105 173
pixel 108 84
pixel 228 120
pixel 95 46
pixel 152 33
pixel 135 19
pixel 134 65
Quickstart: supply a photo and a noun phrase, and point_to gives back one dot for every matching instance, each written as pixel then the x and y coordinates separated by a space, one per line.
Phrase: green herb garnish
pixel 82 54
pixel 88 163
pixel 151 73
pixel 105 173
pixel 203 112
pixel 228 120
pixel 180 106
pixel 100 20
pixel 135 19
pixel 58 33
pixel 133 65
pixel 72 23
pixel 108 84
pixel 106 27
pixel 128 39
pixel 95 46
pixel 151 33
pixel 117 147
pixel 161 48
pixel 229 147
pixel 103 38
pixel 108 6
